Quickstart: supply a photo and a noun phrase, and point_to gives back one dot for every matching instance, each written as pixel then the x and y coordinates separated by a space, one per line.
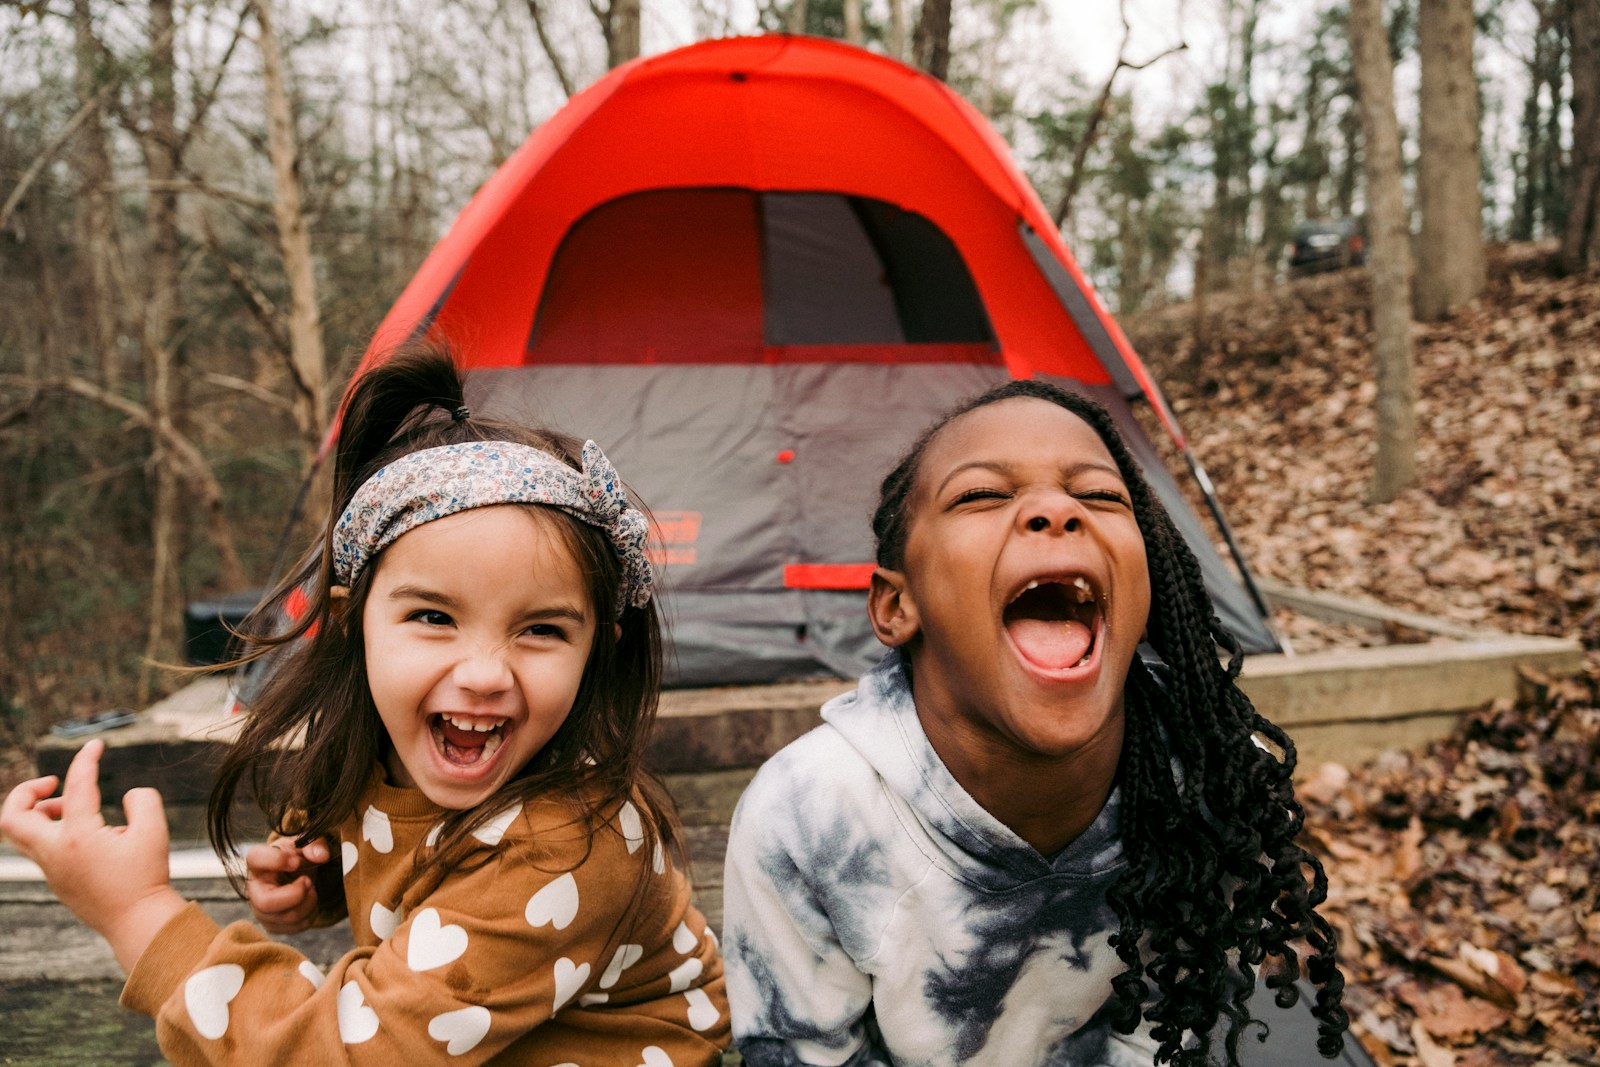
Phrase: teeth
pixel 1084 592
pixel 482 727
pixel 1032 585
pixel 491 745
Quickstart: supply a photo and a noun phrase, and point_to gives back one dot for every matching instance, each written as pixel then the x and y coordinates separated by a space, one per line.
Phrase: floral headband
pixel 435 482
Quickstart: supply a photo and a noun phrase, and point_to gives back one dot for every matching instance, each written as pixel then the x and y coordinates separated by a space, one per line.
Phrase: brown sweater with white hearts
pixel 561 947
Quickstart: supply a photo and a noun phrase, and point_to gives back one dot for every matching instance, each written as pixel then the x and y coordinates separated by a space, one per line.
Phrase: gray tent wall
pixel 706 440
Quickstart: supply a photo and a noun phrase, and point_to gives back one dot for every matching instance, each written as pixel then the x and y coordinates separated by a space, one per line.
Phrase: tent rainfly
pixel 753 269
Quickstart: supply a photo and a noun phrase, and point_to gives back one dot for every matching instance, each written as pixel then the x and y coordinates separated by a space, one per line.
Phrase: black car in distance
pixel 1326 244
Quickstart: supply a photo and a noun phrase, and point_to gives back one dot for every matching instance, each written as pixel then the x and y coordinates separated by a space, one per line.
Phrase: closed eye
pixel 979 494
pixel 1109 495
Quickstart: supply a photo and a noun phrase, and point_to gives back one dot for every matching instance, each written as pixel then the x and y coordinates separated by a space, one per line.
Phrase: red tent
pixel 753 269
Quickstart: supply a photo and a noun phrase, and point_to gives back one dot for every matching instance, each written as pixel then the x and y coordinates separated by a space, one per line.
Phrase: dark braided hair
pixel 1216 886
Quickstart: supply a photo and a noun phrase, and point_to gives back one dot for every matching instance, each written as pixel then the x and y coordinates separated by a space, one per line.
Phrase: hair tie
pixel 434 482
pixel 461 414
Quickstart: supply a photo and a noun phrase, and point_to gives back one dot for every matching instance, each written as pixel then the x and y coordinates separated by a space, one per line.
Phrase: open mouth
pixel 1054 622
pixel 465 741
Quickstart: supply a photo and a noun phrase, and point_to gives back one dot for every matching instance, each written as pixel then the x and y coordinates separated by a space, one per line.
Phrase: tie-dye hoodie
pixel 875 914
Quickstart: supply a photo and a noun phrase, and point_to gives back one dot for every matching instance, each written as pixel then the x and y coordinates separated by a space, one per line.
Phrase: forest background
pixel 209 204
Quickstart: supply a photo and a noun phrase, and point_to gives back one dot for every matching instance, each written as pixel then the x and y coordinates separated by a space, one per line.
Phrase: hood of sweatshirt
pixel 879 721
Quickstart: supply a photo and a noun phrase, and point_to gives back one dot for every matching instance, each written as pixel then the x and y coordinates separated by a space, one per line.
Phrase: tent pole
pixel 1209 492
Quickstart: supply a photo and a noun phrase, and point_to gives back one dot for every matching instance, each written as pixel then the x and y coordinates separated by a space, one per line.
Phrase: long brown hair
pixel 312 737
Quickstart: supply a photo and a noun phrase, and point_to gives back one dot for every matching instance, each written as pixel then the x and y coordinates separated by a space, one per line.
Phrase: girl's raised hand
pixel 280 883
pixel 114 878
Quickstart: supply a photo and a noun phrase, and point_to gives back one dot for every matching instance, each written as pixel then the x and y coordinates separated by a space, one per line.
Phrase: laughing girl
pixel 1020 841
pixel 458 722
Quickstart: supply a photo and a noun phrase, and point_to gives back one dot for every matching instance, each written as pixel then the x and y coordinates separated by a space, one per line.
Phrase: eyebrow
pixel 429 596
pixel 1004 468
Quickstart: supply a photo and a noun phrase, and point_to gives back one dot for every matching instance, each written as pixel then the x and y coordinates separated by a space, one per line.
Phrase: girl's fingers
pixel 147 817
pixel 275 900
pixel 270 859
pixel 21 812
pixel 80 797
pixel 49 807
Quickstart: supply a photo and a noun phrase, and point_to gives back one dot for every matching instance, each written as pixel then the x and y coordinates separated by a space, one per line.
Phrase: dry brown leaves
pixel 1465 880
pixel 1503 528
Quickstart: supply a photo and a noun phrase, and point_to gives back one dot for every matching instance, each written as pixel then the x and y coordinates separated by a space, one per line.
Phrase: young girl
pixel 1018 841
pixel 457 722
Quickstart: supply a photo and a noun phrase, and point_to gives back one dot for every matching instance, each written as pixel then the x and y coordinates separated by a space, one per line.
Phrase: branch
pixel 250 389
pixel 259 304
pixel 549 47
pixel 42 160
pixel 193 462
pixel 203 102
pixel 193 185
pixel 89 107
pixel 1102 106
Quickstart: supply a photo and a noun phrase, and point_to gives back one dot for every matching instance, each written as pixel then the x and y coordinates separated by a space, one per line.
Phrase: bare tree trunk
pixel 852 21
pixel 1580 240
pixel 797 17
pixel 622 32
pixel 307 360
pixel 896 44
pixel 1450 202
pixel 160 315
pixel 1390 257
pixel 930 44
pixel 98 221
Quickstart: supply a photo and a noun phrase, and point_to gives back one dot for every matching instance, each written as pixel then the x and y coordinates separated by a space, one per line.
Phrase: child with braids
pixel 456 727
pixel 1018 841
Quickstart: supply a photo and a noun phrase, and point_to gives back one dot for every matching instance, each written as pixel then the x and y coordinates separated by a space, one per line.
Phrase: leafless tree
pixel 1450 246
pixel 1580 243
pixel 1390 257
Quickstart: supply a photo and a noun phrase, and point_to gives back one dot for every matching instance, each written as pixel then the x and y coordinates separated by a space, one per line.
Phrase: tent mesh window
pixel 731 275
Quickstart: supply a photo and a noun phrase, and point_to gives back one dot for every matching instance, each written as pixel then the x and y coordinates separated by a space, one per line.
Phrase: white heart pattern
pixel 375 828
pixel 588 1000
pixel 433 835
pixel 556 903
pixel 703 1014
pixel 659 861
pixel 357 1021
pixel 626 956
pixel 569 979
pixel 683 939
pixel 632 826
pixel 432 944
pixel 206 994
pixel 312 973
pixel 383 921
pixel 492 831
pixel 684 974
pixel 347 855
pixel 656 1056
pixel 460 1030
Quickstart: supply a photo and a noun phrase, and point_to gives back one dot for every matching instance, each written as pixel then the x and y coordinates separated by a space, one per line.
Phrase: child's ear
pixel 338 600
pixel 891 608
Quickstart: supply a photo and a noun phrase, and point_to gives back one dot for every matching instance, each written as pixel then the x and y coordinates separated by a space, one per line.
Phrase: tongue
pixel 1052 644
pixel 462 746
